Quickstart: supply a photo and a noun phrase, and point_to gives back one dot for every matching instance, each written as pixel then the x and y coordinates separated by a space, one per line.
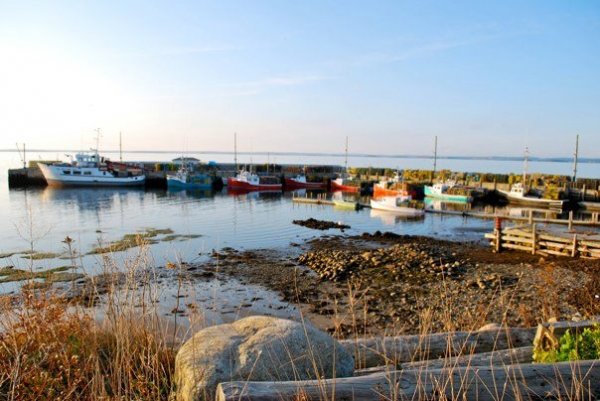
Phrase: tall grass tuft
pixel 51 347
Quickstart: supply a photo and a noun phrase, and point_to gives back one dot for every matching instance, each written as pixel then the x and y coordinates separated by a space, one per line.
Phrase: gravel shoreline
pixel 378 284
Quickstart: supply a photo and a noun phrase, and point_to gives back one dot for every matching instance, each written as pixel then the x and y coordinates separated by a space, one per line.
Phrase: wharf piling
pixel 25 177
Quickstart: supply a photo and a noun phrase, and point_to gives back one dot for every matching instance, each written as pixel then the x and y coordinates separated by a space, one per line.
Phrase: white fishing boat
pixel 89 170
pixel 590 206
pixel 396 204
pixel 345 183
pixel 519 194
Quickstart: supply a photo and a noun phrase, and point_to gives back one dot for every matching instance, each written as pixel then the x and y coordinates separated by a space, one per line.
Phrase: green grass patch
pixel 132 240
pixel 63 276
pixel 180 237
pixel 9 254
pixel 41 255
pixel 153 232
pixel 9 274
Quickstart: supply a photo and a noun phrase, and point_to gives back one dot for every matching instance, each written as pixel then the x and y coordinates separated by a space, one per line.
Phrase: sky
pixel 488 78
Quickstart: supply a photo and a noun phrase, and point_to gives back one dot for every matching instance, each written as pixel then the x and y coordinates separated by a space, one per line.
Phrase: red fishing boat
pixel 300 182
pixel 393 187
pixel 252 182
pixel 345 185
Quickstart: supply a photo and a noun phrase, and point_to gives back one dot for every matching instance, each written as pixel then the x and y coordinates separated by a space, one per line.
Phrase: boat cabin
pixel 86 160
pixel 518 189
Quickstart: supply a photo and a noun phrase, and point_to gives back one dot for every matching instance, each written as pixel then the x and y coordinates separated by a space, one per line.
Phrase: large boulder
pixel 256 348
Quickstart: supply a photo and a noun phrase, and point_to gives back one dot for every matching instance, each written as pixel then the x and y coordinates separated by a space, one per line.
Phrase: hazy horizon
pixel 486 78
pixel 498 157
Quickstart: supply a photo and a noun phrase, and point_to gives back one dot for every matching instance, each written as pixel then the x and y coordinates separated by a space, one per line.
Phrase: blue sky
pixel 488 78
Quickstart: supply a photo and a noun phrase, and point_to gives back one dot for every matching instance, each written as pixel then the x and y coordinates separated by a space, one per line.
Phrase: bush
pixel 572 347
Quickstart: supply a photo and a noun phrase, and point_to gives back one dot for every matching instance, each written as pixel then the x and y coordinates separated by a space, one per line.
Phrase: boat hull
pixel 430 193
pixel 380 191
pixel 233 183
pixel 530 201
pixel 94 183
pixel 344 188
pixel 196 182
pixel 54 178
pixel 590 206
pixel 399 210
pixel 290 183
pixel 344 204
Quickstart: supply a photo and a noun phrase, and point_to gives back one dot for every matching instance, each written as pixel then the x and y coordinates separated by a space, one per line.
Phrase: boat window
pixel 104 172
pixel 66 171
pixel 87 173
pixel 76 172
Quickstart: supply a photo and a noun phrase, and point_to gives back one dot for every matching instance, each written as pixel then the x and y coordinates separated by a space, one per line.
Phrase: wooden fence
pixel 528 238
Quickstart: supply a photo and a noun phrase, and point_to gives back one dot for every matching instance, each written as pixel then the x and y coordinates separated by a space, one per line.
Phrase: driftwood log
pixel 499 358
pixel 565 380
pixel 378 351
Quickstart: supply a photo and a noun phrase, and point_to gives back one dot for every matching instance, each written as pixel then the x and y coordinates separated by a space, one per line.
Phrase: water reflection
pixel 189 193
pixel 91 198
pixel 240 194
pixel 440 205
pixel 390 219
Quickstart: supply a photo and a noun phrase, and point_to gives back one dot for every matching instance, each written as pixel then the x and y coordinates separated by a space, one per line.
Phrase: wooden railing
pixel 528 238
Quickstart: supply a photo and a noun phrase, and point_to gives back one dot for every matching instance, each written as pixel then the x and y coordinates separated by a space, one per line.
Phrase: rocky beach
pixel 381 283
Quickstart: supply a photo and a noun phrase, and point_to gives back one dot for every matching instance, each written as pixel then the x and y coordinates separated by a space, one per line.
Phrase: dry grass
pixel 51 348
pixel 48 351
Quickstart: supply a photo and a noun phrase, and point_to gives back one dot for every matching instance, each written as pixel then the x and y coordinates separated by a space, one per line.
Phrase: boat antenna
pixel 434 157
pixel 575 158
pixel 525 165
pixel 22 156
pixel 120 148
pixel 346 157
pixel 235 151
pixel 98 135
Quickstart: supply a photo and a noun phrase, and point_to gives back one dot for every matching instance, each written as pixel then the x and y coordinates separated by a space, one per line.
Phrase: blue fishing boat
pixel 440 191
pixel 184 178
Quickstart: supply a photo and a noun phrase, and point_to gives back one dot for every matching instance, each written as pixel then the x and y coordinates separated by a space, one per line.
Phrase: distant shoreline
pixel 340 155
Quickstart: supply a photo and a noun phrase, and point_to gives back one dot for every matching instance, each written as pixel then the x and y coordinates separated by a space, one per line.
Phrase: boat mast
pixel 346 158
pixel 120 148
pixel 575 159
pixel 525 165
pixel 235 151
pixel 23 157
pixel 98 134
pixel 434 157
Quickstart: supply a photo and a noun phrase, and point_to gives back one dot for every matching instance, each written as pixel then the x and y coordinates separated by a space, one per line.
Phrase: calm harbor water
pixel 45 216
pixel 42 217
